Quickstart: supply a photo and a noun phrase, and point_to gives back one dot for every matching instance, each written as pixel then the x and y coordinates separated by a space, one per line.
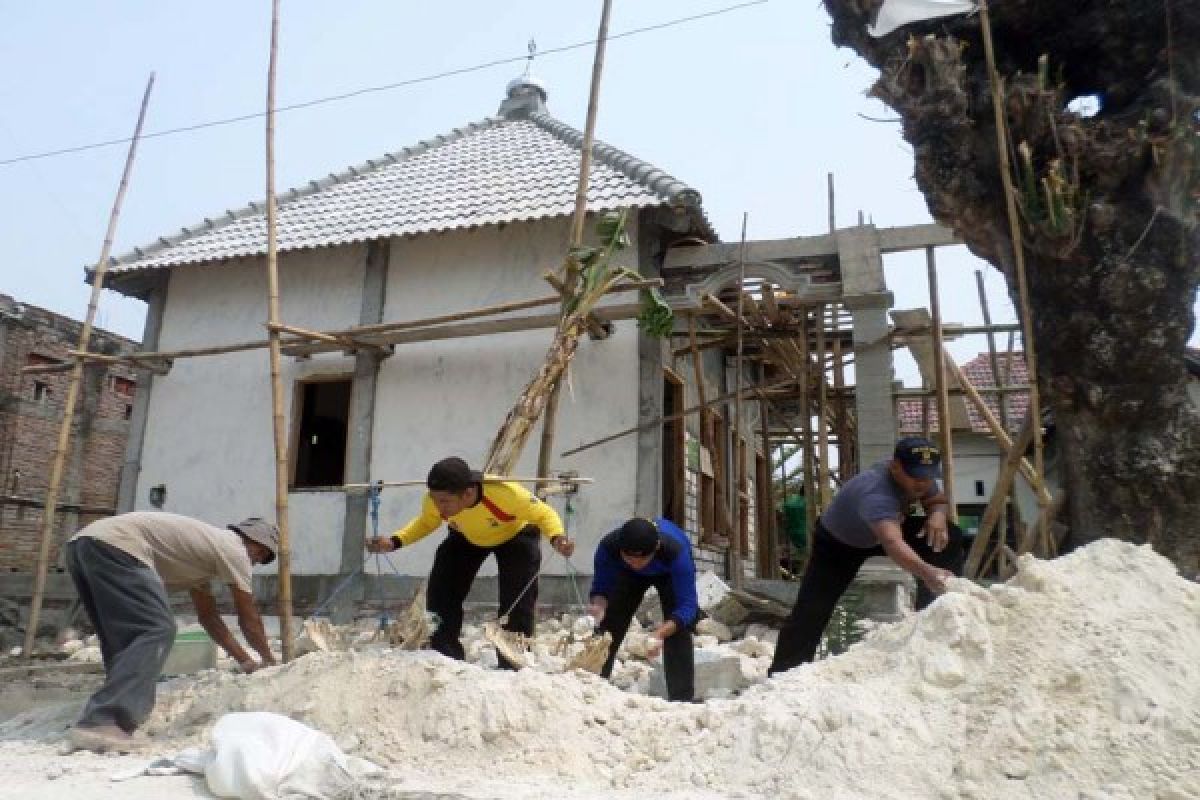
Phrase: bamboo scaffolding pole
pixel 822 406
pixel 58 463
pixel 275 352
pixel 739 468
pixel 945 427
pixel 550 410
pixel 994 362
pixel 1014 225
pixel 845 465
pixel 810 496
pixel 550 479
pixel 307 334
pixel 660 420
pixel 766 517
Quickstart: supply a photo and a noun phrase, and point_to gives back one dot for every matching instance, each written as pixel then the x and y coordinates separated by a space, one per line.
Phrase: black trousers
pixel 127 604
pixel 678 657
pixel 830 571
pixel 455 566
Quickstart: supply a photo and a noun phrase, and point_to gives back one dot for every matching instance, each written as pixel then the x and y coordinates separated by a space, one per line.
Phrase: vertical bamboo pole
pixel 1001 399
pixel 705 428
pixel 810 505
pixel 273 339
pixel 767 515
pixel 822 417
pixel 845 446
pixel 1014 226
pixel 550 411
pixel 739 467
pixel 59 461
pixel 945 428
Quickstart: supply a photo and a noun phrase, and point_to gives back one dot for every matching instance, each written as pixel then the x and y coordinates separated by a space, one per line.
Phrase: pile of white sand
pixel 1080 678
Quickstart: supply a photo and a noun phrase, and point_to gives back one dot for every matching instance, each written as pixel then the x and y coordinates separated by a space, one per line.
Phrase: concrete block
pixel 716 674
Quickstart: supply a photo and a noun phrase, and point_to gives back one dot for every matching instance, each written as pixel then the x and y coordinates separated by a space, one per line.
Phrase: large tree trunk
pixel 1108 215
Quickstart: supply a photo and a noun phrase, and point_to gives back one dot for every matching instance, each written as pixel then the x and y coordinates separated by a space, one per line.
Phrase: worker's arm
pixel 547 520
pixel 210 619
pixel 891 538
pixel 252 625
pixel 417 529
pixel 937 519
pixel 604 578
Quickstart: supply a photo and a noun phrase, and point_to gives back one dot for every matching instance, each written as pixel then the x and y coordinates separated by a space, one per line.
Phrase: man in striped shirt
pixel 484 517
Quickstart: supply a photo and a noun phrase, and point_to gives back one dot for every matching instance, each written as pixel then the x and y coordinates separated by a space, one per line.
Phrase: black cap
pixel 920 458
pixel 452 475
pixel 638 537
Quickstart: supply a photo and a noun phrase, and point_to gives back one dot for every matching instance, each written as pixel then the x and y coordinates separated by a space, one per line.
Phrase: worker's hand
pixel 249 665
pixel 596 611
pixel 936 531
pixel 380 544
pixel 564 546
pixel 935 578
pixel 654 645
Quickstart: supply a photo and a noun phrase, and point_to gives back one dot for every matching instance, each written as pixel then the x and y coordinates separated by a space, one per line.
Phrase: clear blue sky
pixel 752 108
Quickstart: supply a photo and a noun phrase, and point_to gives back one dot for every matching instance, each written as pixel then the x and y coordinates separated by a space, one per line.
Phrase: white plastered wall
pixel 209 433
pixel 449 397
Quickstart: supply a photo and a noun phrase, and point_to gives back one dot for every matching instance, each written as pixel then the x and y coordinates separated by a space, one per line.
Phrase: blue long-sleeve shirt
pixel 674 558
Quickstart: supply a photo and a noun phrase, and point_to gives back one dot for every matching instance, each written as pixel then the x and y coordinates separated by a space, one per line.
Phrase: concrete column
pixel 865 293
pixel 359 433
pixel 132 467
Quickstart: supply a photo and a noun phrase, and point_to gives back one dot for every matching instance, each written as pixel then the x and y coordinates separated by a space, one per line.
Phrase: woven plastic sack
pixel 897 13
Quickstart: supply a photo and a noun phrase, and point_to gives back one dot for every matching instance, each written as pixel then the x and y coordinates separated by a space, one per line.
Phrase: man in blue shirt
pixel 630 560
pixel 871 516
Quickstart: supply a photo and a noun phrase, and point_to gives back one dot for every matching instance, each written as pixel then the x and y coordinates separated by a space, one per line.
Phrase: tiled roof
pixel 979 372
pixel 499 170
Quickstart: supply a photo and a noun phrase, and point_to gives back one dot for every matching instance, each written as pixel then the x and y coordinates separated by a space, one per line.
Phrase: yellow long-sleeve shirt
pixel 503 510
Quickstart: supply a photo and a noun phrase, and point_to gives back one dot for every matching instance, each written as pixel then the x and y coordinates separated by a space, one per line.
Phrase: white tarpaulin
pixel 895 13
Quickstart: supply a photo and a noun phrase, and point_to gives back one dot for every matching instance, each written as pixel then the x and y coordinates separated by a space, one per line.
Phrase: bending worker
pixel 871 516
pixel 484 517
pixel 123 567
pixel 630 560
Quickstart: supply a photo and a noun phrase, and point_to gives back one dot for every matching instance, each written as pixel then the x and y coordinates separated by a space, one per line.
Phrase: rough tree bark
pixel 1109 217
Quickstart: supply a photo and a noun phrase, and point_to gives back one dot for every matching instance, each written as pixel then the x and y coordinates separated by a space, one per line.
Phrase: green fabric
pixel 795 520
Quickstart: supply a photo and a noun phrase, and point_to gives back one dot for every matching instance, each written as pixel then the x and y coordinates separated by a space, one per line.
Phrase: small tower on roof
pixel 526 94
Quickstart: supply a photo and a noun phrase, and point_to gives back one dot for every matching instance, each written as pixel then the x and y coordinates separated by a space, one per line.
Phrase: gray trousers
pixel 127 604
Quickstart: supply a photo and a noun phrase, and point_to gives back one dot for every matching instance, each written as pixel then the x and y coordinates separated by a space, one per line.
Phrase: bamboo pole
pixel 1014 226
pixel 739 467
pixel 810 506
pixel 550 411
pixel 994 362
pixel 845 447
pixel 354 487
pixel 660 420
pixel 945 428
pixel 274 347
pixel 58 464
pixel 769 537
pixel 822 421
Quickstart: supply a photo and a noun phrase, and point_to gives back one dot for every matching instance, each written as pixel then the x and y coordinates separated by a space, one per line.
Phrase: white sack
pixel 263 756
pixel 895 13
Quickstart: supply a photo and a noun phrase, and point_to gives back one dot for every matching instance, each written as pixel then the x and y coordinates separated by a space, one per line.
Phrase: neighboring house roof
pixel 979 372
pixel 521 165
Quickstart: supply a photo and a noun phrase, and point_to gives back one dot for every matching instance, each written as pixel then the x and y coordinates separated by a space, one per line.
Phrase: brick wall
pixel 31 407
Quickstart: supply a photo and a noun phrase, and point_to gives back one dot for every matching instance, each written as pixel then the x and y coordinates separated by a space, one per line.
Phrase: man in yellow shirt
pixel 484 517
